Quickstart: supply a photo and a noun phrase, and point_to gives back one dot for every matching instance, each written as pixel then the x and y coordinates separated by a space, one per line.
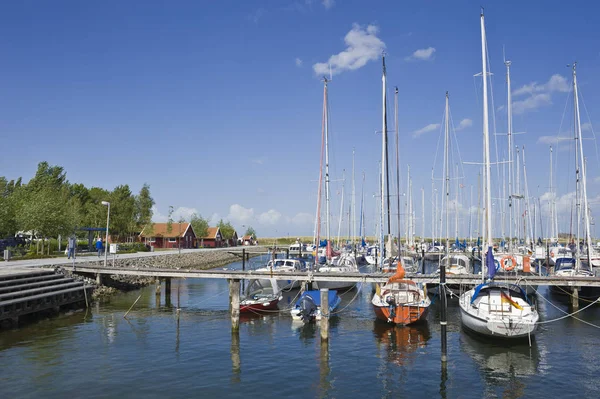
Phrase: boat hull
pixel 333 285
pixel 402 315
pixel 496 327
pixel 259 306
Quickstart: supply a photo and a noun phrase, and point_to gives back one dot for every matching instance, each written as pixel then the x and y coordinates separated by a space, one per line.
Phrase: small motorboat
pixel 308 306
pixel 260 295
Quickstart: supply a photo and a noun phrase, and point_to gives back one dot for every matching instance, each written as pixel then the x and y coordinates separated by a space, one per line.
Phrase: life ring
pixel 552 254
pixel 508 267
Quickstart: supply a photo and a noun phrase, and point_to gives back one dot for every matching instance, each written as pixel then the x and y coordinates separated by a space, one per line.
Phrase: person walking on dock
pixel 99 246
pixel 71 245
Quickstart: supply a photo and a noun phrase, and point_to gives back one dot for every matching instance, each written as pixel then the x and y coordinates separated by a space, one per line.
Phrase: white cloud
pixel 530 103
pixel 298 62
pixel 303 219
pixel 181 212
pixel 256 15
pixel 214 219
pixel 328 3
pixel 552 139
pixel 258 161
pixel 429 128
pixel 271 217
pixel 556 83
pixel 363 46
pixel 465 123
pixel 539 95
pixel 240 215
pixel 586 127
pixel 597 179
pixel 423 54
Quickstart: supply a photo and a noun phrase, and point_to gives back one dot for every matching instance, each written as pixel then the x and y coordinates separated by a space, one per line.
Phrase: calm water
pixel 154 354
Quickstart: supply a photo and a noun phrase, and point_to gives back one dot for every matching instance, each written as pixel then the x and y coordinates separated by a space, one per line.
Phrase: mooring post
pixel 287 253
pixel 98 279
pixel 324 314
pixel 575 298
pixel 243 264
pixel 235 304
pixel 443 316
pixel 168 291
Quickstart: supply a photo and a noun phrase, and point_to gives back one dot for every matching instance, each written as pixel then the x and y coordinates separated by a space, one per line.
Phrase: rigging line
pixel 567 314
pixel 352 300
pixel 591 127
pixel 439 139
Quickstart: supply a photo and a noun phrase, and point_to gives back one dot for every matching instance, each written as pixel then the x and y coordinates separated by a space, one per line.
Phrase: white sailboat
pixel 492 308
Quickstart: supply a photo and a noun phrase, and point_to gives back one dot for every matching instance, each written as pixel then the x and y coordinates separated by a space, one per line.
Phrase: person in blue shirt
pixel 99 246
pixel 72 243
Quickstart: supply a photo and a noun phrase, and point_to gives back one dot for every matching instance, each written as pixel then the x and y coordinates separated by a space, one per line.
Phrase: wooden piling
pixel 575 298
pixel 234 285
pixel 98 279
pixel 324 314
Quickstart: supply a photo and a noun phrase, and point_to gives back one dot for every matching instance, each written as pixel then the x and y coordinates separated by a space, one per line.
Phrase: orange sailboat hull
pixel 402 315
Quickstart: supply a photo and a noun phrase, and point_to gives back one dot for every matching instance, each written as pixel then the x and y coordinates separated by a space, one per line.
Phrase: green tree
pixel 143 204
pixel 200 225
pixel 170 220
pixel 8 222
pixel 226 228
pixel 250 232
pixel 122 210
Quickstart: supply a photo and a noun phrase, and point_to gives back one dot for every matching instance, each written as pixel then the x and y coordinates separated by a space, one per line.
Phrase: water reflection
pixel 324 370
pixel 400 342
pixel 503 364
pixel 236 363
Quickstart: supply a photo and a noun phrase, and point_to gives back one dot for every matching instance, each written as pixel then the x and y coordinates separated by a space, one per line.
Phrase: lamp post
pixel 106 203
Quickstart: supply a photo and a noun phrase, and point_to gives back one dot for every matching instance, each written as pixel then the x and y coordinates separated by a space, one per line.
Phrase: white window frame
pixel 172 240
pixel 151 239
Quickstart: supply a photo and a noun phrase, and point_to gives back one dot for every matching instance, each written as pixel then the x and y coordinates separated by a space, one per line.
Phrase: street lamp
pixel 106 203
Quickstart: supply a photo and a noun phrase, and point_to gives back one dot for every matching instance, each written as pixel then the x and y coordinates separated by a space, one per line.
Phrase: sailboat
pixel 345 262
pixel 581 265
pixel 399 301
pixel 494 308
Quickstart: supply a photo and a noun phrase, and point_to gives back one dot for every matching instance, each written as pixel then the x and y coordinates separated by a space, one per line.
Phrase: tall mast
pixel 527 203
pixel 510 172
pixel 323 141
pixel 456 204
pixel 341 207
pixel 383 163
pixel 327 216
pixel 422 214
pixel 486 140
pixel 353 204
pixel 447 174
pixel 397 163
pixel 553 233
pixel 586 214
pixel 433 209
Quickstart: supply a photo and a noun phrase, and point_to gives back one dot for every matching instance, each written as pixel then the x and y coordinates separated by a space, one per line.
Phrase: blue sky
pixel 217 105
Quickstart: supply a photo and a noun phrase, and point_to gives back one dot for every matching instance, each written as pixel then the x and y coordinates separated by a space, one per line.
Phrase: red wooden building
pixel 213 239
pixel 158 235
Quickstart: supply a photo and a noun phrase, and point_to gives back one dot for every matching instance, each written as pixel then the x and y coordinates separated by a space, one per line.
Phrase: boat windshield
pixel 564 264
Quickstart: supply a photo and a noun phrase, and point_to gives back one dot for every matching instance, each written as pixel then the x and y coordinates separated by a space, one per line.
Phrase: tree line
pixel 49 205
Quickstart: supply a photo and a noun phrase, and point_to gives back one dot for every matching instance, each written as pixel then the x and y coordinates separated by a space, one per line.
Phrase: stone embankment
pixel 192 260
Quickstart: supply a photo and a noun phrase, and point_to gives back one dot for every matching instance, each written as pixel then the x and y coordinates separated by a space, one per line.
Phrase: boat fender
pixel 505 265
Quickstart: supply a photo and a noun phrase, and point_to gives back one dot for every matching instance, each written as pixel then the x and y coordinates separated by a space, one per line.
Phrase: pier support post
pixel 287 253
pixel 234 289
pixel 443 316
pixel 324 314
pixel 98 279
pixel 168 291
pixel 236 363
pixel 575 298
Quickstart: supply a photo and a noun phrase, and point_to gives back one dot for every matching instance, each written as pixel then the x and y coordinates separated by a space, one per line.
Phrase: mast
pixel 456 204
pixel 323 141
pixel 553 233
pixel 383 164
pixel 397 163
pixel 353 206
pixel 433 209
pixel 422 214
pixel 510 172
pixel 486 141
pixel 327 216
pixel 447 177
pixel 527 203
pixel 341 207
pixel 586 215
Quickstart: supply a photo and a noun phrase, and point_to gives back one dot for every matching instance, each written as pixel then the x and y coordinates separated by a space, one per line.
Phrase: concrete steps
pixel 23 293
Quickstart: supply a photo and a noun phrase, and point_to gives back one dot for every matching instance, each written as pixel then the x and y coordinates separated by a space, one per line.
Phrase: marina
pixel 181 336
